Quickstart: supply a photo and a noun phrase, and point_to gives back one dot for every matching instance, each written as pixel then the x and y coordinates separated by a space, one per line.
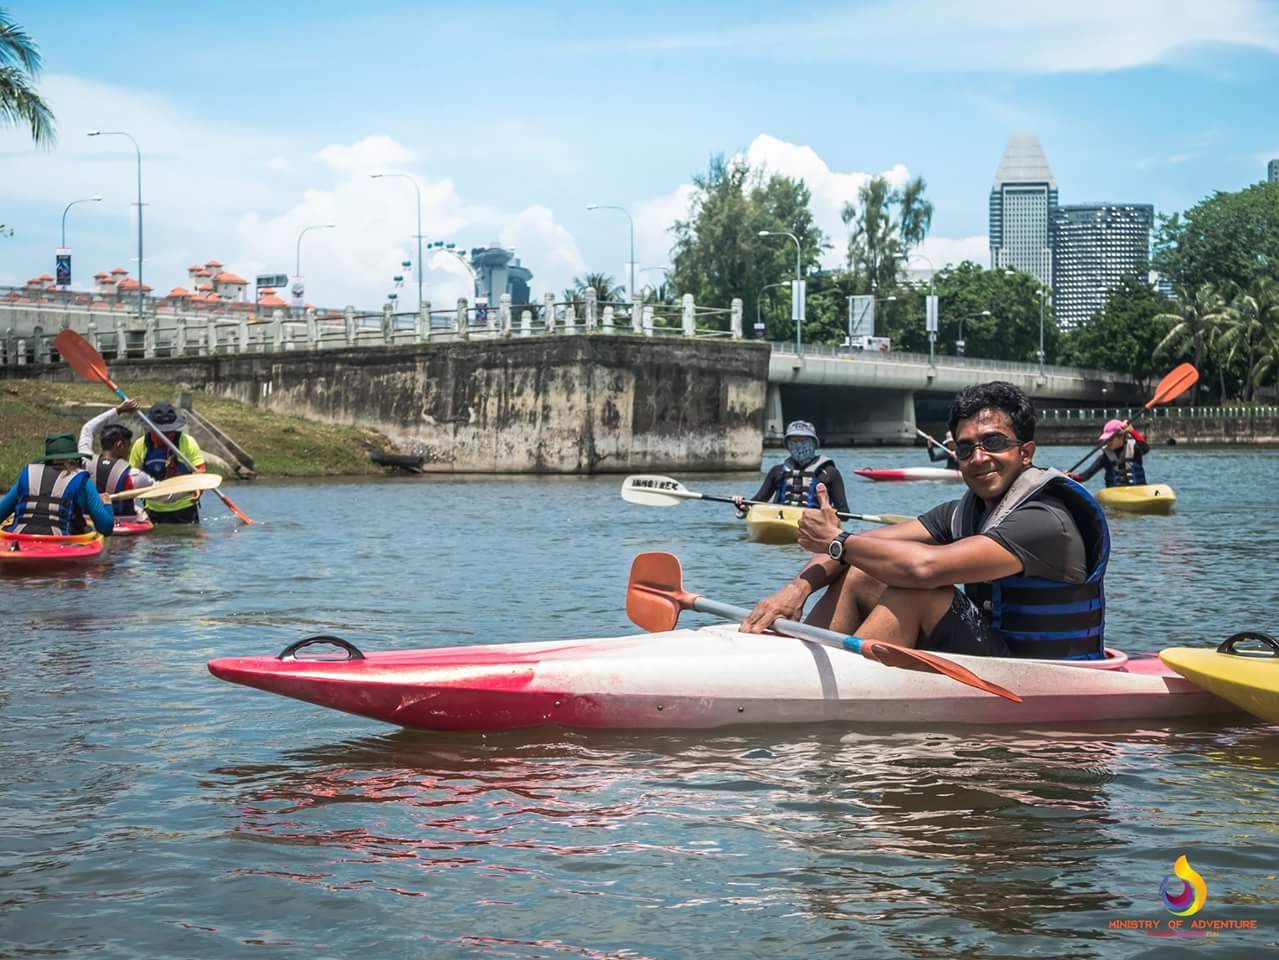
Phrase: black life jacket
pixel 112 476
pixel 798 486
pixel 1126 469
pixel 1037 617
pixel 49 506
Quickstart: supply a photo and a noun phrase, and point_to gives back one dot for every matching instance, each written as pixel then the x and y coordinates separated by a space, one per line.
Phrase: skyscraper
pixel 1023 203
pixel 1095 245
pixel 1272 171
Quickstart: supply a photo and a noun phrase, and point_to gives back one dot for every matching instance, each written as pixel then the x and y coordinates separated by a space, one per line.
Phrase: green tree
pixel 607 289
pixel 718 253
pixel 1228 237
pixel 1123 335
pixel 884 226
pixel 1193 321
pixel 1242 333
pixel 20 104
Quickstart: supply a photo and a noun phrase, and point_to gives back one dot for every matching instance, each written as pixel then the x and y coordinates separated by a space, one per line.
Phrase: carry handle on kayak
pixel 1228 645
pixel 352 651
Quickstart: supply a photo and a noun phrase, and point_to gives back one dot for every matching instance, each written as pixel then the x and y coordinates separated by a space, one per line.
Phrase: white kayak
pixel 940 474
pixel 712 677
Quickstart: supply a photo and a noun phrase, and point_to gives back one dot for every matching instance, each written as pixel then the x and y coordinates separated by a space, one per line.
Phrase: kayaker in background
pixel 153 456
pixel 794 481
pixel 54 494
pixel 1027 545
pixel 110 470
pixel 943 451
pixel 1121 457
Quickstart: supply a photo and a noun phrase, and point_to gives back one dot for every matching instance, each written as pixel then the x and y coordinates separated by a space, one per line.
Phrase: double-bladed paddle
pixel 187 483
pixel 654 491
pixel 655 596
pixel 1176 382
pixel 80 354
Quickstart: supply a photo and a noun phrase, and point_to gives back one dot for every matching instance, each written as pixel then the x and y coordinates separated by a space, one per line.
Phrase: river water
pixel 149 810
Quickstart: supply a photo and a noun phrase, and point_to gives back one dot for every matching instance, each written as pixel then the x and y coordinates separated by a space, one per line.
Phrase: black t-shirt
pixel 1041 533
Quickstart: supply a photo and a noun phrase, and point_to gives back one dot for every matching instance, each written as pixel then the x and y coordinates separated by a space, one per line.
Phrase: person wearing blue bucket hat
pixel 794 481
pixel 54 494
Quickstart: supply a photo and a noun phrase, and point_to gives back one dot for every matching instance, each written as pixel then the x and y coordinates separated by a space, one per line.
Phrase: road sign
pixel 861 316
pixel 273 280
pixel 798 289
pixel 930 324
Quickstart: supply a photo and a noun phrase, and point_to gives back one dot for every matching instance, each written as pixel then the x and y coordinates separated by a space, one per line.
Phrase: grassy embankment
pixel 281 446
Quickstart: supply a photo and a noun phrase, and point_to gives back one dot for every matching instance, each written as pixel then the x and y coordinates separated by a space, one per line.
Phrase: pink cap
pixel 1111 428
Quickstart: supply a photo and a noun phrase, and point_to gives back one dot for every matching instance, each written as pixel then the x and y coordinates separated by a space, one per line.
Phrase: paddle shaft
pixel 867 517
pixel 791 628
pixel 1176 382
pixel 1089 454
pixel 930 440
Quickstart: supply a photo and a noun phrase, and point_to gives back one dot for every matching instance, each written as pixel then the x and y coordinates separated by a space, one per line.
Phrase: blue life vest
pixel 157 458
pixel 798 486
pixel 49 506
pixel 1126 470
pixel 1040 618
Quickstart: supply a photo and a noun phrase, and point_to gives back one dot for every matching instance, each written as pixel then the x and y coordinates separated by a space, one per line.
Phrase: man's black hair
pixel 1001 395
pixel 113 434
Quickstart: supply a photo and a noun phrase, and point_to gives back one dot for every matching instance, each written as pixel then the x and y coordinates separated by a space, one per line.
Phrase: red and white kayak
pixel 41 553
pixel 713 677
pixel 131 527
pixel 911 473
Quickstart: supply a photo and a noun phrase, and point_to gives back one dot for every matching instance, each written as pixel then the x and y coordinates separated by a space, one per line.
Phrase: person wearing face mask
pixel 794 482
pixel 1013 569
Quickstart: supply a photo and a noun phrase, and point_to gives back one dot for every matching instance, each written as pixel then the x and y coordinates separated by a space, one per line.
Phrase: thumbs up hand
pixel 817 528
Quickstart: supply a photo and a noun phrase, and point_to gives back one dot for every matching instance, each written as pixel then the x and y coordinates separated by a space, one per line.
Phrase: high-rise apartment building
pixel 1272 171
pixel 1095 245
pixel 1023 203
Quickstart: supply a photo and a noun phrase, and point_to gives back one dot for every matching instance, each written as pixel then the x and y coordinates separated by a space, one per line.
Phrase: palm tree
pixel 607 290
pixel 1251 313
pixel 1199 313
pixel 20 104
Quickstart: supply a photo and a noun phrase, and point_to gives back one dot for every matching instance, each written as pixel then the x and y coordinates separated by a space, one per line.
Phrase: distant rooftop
pixel 1024 162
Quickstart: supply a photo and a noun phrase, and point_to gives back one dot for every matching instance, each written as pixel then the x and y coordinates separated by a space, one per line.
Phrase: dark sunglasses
pixel 991 443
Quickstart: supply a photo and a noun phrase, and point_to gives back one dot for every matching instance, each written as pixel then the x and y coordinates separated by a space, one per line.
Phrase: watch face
pixel 836 549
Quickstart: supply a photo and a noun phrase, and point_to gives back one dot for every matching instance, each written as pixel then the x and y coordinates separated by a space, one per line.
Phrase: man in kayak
pixel 110 470
pixel 54 494
pixel 794 481
pixel 1121 456
pixel 1014 568
pixel 944 451
pixel 153 456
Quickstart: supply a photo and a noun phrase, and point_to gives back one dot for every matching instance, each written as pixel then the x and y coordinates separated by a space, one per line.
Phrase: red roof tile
pixel 118 270
pixel 179 292
pixel 225 277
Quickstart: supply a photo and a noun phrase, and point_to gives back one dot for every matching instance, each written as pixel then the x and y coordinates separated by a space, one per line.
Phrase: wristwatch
pixel 836 548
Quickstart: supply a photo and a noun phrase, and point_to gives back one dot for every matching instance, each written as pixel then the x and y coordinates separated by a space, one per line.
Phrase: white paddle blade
pixel 187 483
pixel 655 491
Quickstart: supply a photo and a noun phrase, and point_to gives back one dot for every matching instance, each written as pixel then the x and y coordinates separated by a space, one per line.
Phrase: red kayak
pixel 38 553
pixel 911 473
pixel 129 528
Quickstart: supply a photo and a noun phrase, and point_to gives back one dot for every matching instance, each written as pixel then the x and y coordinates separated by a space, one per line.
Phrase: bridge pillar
pixel 774 420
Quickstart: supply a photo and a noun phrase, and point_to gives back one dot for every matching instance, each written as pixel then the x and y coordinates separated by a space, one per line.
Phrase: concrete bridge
pixel 863 397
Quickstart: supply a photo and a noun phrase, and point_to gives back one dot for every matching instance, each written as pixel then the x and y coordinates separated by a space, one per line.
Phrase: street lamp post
pixel 297 271
pixel 418 191
pixel 1048 254
pixel 62 248
pixel 138 150
pixel 759 322
pixel 959 343
pixel 631 264
pixel 795 292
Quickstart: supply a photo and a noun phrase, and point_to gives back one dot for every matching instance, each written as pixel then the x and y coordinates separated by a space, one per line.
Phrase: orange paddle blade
pixel 892 655
pixel 655 593
pixel 81 356
pixel 1178 381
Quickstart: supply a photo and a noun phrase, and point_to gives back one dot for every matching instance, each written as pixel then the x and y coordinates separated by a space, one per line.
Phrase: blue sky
pixel 258 119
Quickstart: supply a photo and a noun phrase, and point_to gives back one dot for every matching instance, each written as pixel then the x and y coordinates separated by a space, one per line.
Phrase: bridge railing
pixel 1082 414
pixel 173 333
pixel 962 363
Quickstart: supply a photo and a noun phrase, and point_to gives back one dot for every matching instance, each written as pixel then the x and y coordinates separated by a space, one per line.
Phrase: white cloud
pixel 545 247
pixel 1022 36
pixel 278 164
pixel 370 155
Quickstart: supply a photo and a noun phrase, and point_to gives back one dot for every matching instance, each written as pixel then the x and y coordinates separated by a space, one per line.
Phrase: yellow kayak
pixel 1247 678
pixel 1143 498
pixel 773 523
